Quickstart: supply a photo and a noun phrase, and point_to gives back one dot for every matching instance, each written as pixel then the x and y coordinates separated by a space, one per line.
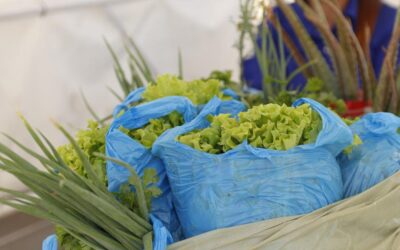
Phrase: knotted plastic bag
pixel 377 158
pixel 250 184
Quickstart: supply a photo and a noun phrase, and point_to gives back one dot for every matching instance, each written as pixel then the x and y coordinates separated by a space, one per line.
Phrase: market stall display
pixel 191 161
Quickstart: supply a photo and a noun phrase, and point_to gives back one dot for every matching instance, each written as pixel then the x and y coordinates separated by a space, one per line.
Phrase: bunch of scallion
pixel 82 206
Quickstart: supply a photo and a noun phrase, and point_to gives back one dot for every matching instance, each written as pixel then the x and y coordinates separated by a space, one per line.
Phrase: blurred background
pixel 50 50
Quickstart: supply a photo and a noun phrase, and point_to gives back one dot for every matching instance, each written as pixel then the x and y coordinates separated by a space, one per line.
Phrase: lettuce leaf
pixel 91 140
pixel 149 133
pixel 198 91
pixel 270 126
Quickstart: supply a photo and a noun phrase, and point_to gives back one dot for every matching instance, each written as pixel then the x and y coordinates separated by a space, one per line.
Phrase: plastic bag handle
pixel 134 96
pixel 381 123
pixel 156 109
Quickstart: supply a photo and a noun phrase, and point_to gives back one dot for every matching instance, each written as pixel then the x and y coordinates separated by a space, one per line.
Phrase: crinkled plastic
pixel 136 96
pixel 50 243
pixel 250 184
pixel 121 146
pixel 377 158
pixel 162 237
pixel 369 221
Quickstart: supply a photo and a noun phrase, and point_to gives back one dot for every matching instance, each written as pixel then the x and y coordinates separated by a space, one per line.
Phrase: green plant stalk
pixel 180 64
pixel 363 60
pixel 294 51
pixel 73 176
pixel 119 72
pixel 270 56
pixel 134 179
pixel 90 213
pixel 90 109
pixel 381 98
pixel 148 241
pixel 350 57
pixel 393 106
pixel 337 55
pixel 141 61
pixel 321 68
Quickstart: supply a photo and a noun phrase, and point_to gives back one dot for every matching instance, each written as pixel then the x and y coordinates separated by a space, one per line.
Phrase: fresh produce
pixel 90 141
pixel 198 91
pixel 270 126
pixel 72 192
pixel 150 132
pixel 377 158
pixel 356 142
pixel 250 97
pixel 350 64
pixel 313 90
pixel 248 184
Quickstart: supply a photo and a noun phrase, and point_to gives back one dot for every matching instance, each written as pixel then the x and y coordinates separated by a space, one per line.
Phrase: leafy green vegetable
pixel 198 91
pixel 314 89
pixel 69 242
pixel 356 142
pixel 148 134
pixel 81 206
pixel 90 141
pixel 350 121
pixel 270 126
pixel 127 195
pixel 225 77
pixel 250 98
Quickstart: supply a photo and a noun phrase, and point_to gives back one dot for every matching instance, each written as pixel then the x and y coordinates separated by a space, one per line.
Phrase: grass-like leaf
pixel 83 207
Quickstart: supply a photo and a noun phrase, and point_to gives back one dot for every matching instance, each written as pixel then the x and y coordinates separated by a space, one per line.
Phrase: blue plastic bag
pixel 50 243
pixel 250 184
pixel 136 96
pixel 162 237
pixel 377 158
pixel 121 146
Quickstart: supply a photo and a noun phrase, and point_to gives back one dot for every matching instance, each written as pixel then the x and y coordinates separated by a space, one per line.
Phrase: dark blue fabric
pixel 380 40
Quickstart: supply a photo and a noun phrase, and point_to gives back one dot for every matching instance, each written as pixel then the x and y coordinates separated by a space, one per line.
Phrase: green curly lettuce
pixel 198 91
pixel 149 133
pixel 357 141
pixel 92 140
pixel 270 126
pixel 350 121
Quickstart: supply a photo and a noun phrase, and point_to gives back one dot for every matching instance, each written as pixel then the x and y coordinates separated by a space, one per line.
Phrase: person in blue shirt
pixel 379 17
